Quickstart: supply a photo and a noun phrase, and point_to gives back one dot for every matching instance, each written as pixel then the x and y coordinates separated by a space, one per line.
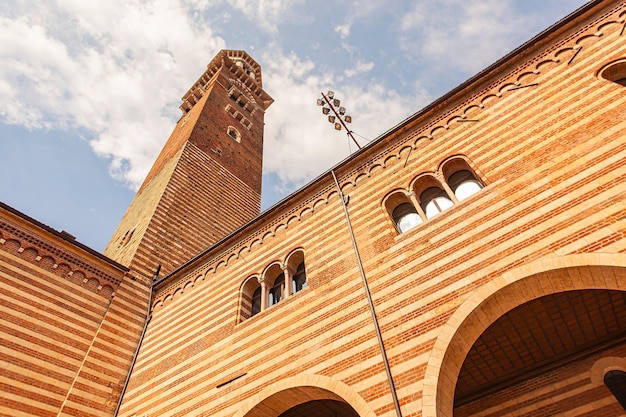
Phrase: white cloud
pixel 466 35
pixel 300 143
pixel 343 30
pixel 107 69
pixel 266 14
pixel 114 74
pixel 359 68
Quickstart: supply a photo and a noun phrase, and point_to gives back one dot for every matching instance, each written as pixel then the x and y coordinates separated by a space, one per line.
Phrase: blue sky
pixel 89 91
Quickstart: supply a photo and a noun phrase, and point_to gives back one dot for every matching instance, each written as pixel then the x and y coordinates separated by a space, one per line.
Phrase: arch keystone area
pixel 290 392
pixel 504 293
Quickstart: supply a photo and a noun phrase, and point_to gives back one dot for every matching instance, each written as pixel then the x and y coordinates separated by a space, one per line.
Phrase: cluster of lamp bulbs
pixel 328 103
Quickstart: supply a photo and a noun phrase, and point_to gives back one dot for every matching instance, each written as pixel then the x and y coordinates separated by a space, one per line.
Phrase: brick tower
pixel 207 180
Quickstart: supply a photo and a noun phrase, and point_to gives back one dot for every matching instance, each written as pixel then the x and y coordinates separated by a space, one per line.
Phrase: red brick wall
pixel 70 324
pixel 203 185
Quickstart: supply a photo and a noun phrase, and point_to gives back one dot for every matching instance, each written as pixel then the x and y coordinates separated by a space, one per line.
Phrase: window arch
pixel 615 72
pixel 250 298
pixel 274 279
pixel 433 195
pixel 295 267
pixel 615 381
pixel 298 282
pixel 434 200
pixel 276 292
pixel 461 178
pixel 256 302
pixel 464 184
pixel 277 283
pixel 234 133
pixel 405 217
pixel 402 211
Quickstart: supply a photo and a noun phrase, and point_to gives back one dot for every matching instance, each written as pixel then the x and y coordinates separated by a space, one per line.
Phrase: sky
pixel 89 90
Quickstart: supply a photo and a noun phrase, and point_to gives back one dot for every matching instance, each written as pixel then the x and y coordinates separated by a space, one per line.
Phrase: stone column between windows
pixel 447 188
pixel 288 274
pixel 264 293
pixel 416 204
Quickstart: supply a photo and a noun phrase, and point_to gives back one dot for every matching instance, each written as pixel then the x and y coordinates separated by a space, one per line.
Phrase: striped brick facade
pixel 530 269
pixel 510 302
pixel 70 323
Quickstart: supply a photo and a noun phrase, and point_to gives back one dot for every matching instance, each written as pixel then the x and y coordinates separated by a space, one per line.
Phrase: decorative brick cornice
pixel 34 249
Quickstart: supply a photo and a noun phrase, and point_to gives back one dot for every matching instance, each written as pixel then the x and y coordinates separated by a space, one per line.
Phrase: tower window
pixel 234 134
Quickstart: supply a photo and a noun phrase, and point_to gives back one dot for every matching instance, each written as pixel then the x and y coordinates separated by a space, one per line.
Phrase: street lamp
pixel 329 104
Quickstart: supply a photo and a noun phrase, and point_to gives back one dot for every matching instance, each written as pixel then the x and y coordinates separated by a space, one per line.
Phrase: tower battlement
pixel 246 69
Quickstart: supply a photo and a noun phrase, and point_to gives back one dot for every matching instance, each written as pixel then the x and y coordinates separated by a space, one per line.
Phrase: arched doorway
pixel 306 396
pixel 321 408
pixel 537 357
pixel 580 274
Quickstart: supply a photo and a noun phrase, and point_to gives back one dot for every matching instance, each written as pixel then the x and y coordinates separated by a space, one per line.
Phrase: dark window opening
pixel 298 282
pixel 615 72
pixel 234 134
pixel 256 302
pixel 276 293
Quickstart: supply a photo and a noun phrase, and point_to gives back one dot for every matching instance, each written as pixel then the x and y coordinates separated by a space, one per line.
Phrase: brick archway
pixel 487 304
pixel 290 392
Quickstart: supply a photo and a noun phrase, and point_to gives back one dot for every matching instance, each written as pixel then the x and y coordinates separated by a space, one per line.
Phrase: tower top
pixel 248 73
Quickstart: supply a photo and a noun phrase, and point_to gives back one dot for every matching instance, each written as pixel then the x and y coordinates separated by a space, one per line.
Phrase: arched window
pixel 277 283
pixel 251 295
pixel 256 302
pixel 234 133
pixel 615 72
pixel 276 292
pixel 298 281
pixel 401 210
pixel 405 217
pixel 615 381
pixel 434 200
pixel 463 184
